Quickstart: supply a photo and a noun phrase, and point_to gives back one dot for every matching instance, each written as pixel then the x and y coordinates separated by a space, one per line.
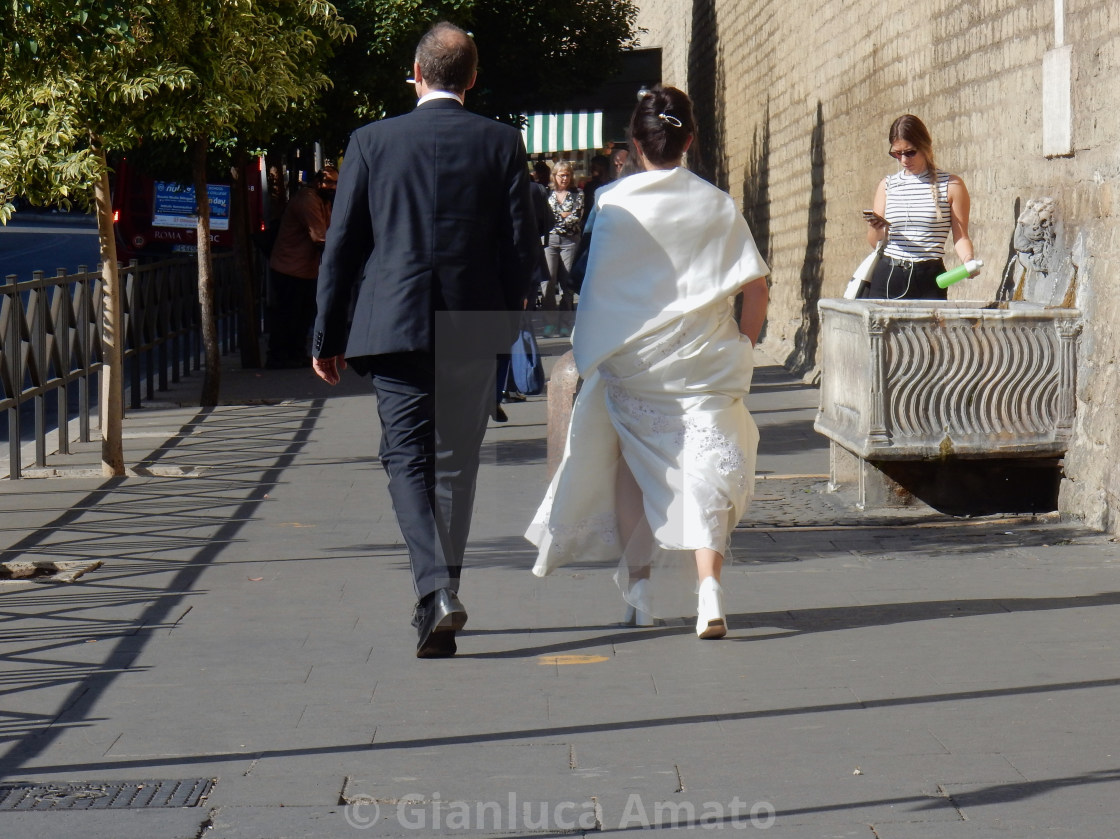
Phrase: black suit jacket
pixel 433 214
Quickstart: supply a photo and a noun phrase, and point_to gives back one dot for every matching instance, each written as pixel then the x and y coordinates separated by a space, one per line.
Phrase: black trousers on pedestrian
pixel 899 279
pixel 292 317
pixel 433 418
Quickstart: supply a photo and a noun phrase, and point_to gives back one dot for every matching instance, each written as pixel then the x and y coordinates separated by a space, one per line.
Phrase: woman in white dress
pixel 659 461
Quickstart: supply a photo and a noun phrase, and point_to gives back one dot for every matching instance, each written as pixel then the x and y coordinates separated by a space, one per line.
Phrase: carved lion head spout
pixel 1034 233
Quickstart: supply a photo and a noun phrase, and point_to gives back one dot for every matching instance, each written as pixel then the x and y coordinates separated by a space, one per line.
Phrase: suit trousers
pixel 433 418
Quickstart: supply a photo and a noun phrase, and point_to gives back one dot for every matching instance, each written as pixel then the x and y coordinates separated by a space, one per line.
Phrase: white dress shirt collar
pixel 439 94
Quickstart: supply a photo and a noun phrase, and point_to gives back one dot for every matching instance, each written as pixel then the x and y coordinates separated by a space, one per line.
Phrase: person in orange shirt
pixel 295 269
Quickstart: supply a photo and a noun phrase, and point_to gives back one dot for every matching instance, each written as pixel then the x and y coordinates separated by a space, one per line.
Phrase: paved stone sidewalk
pixel 246 643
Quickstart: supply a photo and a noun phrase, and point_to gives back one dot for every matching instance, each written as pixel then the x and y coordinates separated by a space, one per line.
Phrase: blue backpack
pixel 525 366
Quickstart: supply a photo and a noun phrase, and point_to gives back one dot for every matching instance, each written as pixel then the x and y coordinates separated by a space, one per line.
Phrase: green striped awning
pixel 569 131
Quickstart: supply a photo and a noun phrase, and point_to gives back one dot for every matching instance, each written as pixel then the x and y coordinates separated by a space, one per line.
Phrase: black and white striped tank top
pixel 916 233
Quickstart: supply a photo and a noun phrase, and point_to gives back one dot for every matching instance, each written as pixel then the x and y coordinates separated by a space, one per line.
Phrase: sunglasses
pixel 898 155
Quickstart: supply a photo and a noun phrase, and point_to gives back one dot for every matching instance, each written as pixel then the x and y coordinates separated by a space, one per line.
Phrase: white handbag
pixel 861 277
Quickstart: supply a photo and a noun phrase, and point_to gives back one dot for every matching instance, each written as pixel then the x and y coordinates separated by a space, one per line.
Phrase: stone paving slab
pixel 896 674
pixel 186 823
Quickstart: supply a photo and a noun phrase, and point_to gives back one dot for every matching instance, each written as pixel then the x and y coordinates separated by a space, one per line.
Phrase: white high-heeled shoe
pixel 710 619
pixel 642 614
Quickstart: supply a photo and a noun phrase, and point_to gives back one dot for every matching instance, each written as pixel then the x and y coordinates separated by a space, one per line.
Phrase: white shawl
pixel 664 243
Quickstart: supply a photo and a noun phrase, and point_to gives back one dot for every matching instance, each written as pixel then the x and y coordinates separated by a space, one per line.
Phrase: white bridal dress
pixel 665 374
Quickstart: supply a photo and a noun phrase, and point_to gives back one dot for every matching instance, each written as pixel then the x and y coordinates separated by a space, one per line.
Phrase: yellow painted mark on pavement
pixel 571 659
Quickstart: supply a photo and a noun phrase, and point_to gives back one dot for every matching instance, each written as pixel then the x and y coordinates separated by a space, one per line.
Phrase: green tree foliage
pixel 76 77
pixel 80 79
pixel 535 58
pixel 534 55
pixel 255 61
pixel 74 80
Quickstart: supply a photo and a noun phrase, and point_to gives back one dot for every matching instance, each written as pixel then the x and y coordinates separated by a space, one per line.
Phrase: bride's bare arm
pixel 756 294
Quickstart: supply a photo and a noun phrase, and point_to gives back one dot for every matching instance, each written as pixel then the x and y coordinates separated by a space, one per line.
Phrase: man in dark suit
pixel 433 218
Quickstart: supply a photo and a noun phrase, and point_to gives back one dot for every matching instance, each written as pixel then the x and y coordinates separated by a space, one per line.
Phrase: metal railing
pixel 51 342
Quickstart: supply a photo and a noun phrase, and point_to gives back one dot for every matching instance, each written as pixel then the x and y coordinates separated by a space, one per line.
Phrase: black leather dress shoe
pixel 442 615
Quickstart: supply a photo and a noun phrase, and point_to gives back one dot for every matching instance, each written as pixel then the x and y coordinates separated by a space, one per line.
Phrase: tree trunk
pixel 212 374
pixel 113 337
pixel 248 322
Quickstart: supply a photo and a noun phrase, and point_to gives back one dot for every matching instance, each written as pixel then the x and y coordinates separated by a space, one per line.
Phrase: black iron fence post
pixel 51 338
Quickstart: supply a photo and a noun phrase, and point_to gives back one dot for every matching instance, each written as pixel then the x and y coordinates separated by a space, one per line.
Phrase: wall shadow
pixel 705 85
pixel 756 188
pixel 803 357
pixel 1006 289
pixel 756 201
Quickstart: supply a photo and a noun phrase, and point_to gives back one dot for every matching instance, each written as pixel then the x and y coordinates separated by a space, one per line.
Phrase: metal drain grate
pixel 105 795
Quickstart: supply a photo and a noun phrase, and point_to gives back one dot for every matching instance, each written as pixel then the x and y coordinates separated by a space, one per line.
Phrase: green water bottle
pixel 969 269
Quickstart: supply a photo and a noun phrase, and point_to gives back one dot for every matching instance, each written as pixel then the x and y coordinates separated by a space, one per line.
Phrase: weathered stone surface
pixel 914 380
pixel 63 571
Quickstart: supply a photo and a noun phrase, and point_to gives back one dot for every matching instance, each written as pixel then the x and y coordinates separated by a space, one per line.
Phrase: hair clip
pixel 672 120
pixel 643 92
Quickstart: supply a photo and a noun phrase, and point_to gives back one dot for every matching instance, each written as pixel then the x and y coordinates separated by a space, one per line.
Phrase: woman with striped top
pixel 915 210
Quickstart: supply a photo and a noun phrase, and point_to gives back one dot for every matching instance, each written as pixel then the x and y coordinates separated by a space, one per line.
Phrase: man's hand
pixel 328 369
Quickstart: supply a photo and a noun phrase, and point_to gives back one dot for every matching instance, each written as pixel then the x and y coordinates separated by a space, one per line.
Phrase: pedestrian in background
pixel 916 209
pixel 566 202
pixel 294 263
pixel 542 174
pixel 620 157
pixel 601 175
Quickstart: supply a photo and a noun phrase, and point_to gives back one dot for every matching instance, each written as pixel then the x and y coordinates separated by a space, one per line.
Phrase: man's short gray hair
pixel 448 57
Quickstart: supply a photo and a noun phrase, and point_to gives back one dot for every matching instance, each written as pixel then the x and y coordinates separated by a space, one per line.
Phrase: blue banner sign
pixel 175 205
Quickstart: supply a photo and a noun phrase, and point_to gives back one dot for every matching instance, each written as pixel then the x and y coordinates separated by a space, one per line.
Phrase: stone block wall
pixel 795 98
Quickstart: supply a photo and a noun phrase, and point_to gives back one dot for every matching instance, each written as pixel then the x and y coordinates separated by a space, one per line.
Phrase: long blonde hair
pixel 912 130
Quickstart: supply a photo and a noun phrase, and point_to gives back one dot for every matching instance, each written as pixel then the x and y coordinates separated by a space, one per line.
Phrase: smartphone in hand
pixel 871 216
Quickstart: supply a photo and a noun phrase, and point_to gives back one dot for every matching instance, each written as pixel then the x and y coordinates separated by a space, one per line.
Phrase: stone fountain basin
pixel 924 380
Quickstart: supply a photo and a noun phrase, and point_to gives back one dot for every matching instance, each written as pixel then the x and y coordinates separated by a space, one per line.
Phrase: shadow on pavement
pixel 161 534
pixel 606 727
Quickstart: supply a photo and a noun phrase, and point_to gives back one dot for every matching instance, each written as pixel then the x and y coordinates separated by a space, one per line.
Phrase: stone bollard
pixel 562 387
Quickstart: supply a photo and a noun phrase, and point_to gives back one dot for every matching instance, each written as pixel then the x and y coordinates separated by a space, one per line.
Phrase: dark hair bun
pixel 662 124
